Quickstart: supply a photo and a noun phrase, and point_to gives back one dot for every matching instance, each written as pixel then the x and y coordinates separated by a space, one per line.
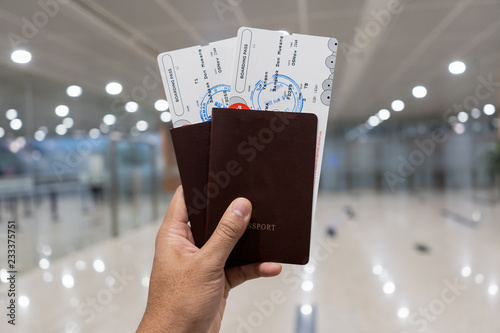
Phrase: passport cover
pixel 192 148
pixel 267 157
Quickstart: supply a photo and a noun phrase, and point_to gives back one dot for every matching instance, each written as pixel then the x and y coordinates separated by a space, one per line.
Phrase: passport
pixel 267 157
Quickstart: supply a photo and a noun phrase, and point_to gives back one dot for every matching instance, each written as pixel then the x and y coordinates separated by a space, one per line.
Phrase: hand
pixel 189 286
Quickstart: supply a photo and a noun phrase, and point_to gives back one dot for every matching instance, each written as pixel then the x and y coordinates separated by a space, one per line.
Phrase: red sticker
pixel 240 106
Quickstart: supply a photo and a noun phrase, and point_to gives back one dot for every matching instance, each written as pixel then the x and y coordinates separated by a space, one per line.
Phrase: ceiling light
pixel 62 110
pixel 463 117
pixel 4 275
pixel 44 263
pixel 114 88
pixel 131 106
pixel 145 281
pixel 493 290
pixel 384 114
pixel 21 56
pixel 479 278
pixel 16 124
pixel 94 133
pixel 419 92
pixel 24 301
pixel 47 276
pixel 403 313
pixel 39 135
pixel 80 264
pixel 398 105
pixel 306 309
pixel 307 285
pixel 459 128
pixel 109 119
pixel 68 122
pixel 11 114
pixel 475 113
pixel 2 132
pixel 142 125
pixel 466 271
pixel 99 266
pixel 61 129
pixel 377 269
pixel 74 91
pixel 457 67
pixel 373 121
pixel 489 109
pixel 166 117
pixel 104 128
pixel 161 105
pixel 68 281
pixel 389 288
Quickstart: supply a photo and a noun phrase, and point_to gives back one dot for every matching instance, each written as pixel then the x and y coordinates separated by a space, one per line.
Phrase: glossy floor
pixel 381 262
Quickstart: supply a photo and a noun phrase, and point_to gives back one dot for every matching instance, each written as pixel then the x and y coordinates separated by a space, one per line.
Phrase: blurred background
pixel 409 203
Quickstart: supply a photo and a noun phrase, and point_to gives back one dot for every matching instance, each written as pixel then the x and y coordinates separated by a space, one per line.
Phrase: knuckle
pixel 228 229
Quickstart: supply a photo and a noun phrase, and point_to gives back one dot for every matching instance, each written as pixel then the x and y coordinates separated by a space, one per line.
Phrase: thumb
pixel 229 230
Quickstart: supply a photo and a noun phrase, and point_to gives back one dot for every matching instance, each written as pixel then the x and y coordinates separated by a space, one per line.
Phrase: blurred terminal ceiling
pixel 90 43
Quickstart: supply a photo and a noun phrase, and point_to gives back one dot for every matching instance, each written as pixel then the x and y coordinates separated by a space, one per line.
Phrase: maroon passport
pixel 267 157
pixel 192 148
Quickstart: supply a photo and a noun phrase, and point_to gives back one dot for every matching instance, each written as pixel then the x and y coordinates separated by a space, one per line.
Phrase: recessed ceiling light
pixel 16 124
pixel 44 263
pixel 384 114
pixel 459 128
pixel 373 121
pixel 11 114
pixel 99 266
pixel 61 129
pixel 161 105
pixel 389 288
pixel 493 290
pixel 142 125
pixel 62 110
pixel 24 301
pixel 68 122
pixel 456 67
pixel 114 88
pixel 466 271
pixel 419 92
pixel 131 106
pixel 403 313
pixel 94 133
pixel 2 132
pixel 377 270
pixel 68 281
pixel 109 119
pixel 489 109
pixel 306 309
pixel 398 105
pixel 21 56
pixel 166 117
pixel 462 117
pixel 39 135
pixel 74 91
pixel 307 285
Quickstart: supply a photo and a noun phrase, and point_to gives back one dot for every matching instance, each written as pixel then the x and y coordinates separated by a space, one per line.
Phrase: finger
pixel 239 274
pixel 229 230
pixel 177 212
